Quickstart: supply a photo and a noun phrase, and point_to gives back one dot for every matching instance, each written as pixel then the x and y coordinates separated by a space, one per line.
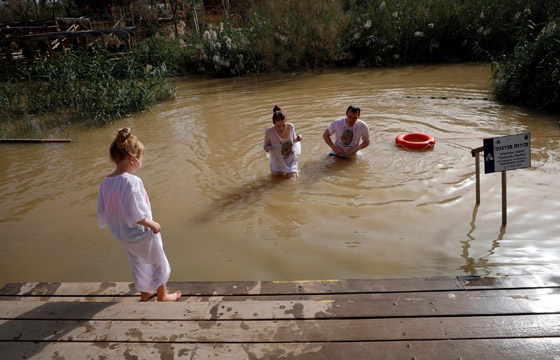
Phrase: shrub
pixel 93 86
pixel 531 75
pixel 222 51
pixel 410 31
pixel 296 35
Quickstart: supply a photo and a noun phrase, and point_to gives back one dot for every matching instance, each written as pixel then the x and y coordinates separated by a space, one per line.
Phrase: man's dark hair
pixel 354 109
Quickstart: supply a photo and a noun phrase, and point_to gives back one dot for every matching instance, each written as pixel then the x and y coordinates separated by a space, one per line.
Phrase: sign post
pixel 507 153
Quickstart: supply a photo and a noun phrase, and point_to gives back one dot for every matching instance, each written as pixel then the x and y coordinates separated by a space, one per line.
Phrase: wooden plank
pixel 282 297
pixel 237 331
pixel 508 282
pixel 292 287
pixel 243 287
pixel 69 288
pixel 35 140
pixel 488 349
pixel 34 298
pixel 255 310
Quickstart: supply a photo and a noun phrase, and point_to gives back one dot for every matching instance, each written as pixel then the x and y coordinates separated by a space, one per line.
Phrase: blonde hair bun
pixel 122 136
pixel 125 144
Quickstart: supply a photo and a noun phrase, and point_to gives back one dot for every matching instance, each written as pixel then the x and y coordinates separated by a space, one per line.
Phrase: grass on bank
pixel 519 36
pixel 95 87
pixel 531 75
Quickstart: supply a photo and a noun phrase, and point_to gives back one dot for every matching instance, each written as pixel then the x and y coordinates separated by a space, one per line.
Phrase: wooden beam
pixel 277 310
pixel 480 349
pixel 243 287
pixel 240 331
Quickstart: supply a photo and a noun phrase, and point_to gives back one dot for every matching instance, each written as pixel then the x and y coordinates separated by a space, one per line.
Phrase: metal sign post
pixel 502 154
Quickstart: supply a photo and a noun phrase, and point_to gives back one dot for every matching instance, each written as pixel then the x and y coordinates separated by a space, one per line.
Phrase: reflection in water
pixel 391 212
pixel 482 266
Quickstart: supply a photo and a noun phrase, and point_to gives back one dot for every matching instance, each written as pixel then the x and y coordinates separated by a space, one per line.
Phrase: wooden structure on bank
pixel 35 40
pixel 462 317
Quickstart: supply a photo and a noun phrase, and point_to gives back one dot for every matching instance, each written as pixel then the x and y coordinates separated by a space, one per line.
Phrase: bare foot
pixel 171 297
pixel 145 296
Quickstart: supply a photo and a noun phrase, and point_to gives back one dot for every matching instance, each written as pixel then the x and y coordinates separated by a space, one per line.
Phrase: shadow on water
pixel 471 264
pixel 252 192
pixel 324 167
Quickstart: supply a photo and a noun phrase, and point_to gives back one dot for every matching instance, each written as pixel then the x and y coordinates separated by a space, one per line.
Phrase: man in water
pixel 349 132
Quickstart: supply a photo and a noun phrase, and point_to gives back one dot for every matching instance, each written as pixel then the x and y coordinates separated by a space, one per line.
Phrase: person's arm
pixel 154 226
pixel 363 145
pixel 328 140
pixel 297 137
pixel 267 146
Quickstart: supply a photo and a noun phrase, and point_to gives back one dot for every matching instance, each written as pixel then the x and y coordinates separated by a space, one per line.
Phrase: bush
pixel 296 35
pixel 92 86
pixel 531 75
pixel 222 51
pixel 410 31
pixel 157 51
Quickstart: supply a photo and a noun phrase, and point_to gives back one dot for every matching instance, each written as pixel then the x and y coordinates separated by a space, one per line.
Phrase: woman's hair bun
pixel 276 108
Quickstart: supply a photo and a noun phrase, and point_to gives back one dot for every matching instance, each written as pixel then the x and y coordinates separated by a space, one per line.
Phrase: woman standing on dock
pixel 282 145
pixel 124 207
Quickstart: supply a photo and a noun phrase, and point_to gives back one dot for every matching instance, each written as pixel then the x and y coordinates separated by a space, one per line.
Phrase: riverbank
pixel 521 39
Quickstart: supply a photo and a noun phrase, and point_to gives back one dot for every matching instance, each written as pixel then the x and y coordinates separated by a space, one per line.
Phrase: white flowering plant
pixel 222 50
pixel 387 32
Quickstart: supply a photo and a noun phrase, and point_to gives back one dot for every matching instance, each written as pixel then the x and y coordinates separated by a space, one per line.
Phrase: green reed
pixel 531 75
pixel 95 86
pixel 411 31
pixel 296 35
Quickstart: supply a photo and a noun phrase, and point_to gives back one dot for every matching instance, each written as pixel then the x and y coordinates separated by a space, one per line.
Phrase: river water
pixel 391 212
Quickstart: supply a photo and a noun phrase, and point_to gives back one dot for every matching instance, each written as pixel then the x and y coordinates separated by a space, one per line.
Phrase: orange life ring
pixel 415 141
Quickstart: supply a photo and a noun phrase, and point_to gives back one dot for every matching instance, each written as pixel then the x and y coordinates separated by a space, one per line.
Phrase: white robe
pixel 284 152
pixel 121 203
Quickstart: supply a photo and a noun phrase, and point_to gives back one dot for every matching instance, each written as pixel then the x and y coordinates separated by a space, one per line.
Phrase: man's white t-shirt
pixel 348 137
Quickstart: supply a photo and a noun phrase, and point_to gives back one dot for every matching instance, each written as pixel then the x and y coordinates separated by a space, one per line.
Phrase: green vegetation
pixel 531 75
pixel 95 86
pixel 520 37
pixel 407 31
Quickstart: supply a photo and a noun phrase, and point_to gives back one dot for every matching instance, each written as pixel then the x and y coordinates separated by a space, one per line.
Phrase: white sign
pixel 507 153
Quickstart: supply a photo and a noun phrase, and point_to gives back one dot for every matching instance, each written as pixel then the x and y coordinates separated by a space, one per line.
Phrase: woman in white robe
pixel 282 145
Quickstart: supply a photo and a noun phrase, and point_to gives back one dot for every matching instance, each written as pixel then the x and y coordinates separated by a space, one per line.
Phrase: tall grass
pixel 222 50
pixel 296 35
pixel 531 75
pixel 386 32
pixel 96 87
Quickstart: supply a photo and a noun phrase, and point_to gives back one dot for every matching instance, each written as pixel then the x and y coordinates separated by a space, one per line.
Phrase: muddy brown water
pixel 391 212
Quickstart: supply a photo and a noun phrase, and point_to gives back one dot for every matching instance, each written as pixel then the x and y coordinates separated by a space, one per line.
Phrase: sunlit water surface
pixel 391 212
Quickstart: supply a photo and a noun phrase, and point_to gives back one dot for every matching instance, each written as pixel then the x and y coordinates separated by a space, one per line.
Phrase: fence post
pixel 504 199
pixel 476 154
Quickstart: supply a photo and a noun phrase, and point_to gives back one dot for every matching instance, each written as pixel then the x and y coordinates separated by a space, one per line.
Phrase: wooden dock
pixel 463 317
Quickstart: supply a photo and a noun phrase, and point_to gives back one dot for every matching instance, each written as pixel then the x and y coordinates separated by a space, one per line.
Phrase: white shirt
pixel 121 203
pixel 348 137
pixel 283 155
